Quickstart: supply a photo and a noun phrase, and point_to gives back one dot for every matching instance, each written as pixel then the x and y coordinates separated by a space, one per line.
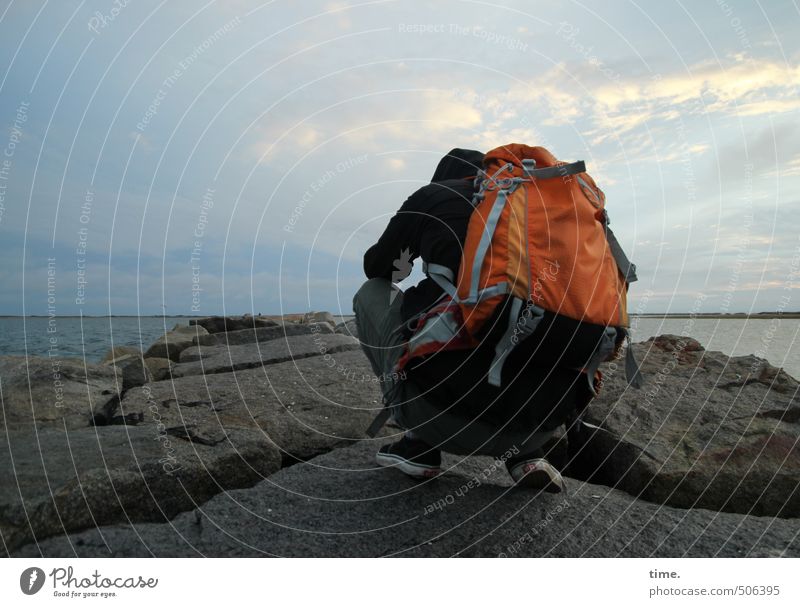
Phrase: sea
pixel 776 339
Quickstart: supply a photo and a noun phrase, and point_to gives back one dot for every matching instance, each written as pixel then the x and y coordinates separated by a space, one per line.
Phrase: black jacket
pixel 431 224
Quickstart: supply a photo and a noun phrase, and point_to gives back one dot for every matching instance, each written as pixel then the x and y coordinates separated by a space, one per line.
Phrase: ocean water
pixel 70 336
pixel 777 340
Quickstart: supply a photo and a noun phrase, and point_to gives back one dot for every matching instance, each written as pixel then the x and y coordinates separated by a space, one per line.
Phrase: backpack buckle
pixel 528 166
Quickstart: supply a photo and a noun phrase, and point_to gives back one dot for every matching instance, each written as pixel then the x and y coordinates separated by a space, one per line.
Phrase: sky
pixel 239 157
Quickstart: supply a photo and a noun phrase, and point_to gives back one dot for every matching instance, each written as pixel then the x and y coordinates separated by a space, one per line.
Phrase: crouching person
pixel 445 400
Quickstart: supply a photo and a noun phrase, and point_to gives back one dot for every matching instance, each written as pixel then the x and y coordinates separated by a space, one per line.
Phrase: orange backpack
pixel 539 263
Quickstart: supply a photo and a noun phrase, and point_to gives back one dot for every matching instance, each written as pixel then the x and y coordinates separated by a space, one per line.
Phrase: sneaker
pixel 535 473
pixel 413 457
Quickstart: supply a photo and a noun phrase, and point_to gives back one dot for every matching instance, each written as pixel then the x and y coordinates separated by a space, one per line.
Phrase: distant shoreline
pixel 677 315
pixel 732 316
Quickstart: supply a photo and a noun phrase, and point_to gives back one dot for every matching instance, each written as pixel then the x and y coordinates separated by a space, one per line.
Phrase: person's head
pixel 458 164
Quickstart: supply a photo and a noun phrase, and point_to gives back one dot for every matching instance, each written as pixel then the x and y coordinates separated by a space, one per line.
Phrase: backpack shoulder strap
pixel 442 276
pixel 627 268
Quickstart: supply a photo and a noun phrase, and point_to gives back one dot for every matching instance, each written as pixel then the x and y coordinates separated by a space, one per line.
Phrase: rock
pixel 342 505
pixel 204 360
pixel 221 324
pixel 55 391
pixel 261 334
pixel 159 368
pixel 348 327
pixel 133 370
pixel 706 431
pixel 289 318
pixel 305 407
pixel 320 317
pixel 171 344
pixel 100 476
pixel 120 351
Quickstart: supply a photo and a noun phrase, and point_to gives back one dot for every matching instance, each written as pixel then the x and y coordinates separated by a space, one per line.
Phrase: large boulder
pixel 131 369
pixel 171 344
pixel 706 431
pixel 320 317
pixel 159 368
pixel 55 391
pixel 221 324
pixel 342 505
pixel 261 334
pixel 201 360
pixel 348 327
pixel 60 482
pixel 118 352
pixel 305 407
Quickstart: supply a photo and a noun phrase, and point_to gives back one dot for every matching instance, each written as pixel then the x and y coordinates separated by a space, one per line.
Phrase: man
pixel 445 402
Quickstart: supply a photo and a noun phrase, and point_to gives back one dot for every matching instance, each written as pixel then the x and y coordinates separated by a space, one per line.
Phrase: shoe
pixel 535 473
pixel 412 457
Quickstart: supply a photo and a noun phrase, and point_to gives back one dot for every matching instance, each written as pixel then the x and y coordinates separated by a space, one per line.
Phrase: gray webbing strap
pixel 379 422
pixel 604 349
pixel 501 288
pixel 483 245
pixel 442 276
pixel 446 286
pixel 625 266
pixel 589 192
pixel 519 328
pixel 632 372
pixel 437 268
pixel 560 170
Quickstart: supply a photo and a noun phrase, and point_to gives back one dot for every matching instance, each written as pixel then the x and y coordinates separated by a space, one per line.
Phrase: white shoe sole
pixel 389 460
pixel 541 475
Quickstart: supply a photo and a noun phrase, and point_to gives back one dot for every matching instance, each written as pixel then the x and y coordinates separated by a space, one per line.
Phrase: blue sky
pixel 275 139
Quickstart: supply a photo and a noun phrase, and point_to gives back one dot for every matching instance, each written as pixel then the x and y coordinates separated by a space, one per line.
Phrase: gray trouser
pixel 377 309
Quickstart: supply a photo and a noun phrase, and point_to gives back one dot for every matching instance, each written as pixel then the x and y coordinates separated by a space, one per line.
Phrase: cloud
pixel 765 153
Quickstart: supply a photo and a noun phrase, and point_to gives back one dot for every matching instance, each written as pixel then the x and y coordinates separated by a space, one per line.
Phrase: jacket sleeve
pixel 393 255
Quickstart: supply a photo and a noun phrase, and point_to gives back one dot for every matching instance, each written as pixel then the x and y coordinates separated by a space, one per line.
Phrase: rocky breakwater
pixel 707 431
pixel 701 462
pixel 144 436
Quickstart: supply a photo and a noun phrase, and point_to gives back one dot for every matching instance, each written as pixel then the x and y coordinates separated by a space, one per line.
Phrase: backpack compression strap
pixel 632 372
pixel 521 324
